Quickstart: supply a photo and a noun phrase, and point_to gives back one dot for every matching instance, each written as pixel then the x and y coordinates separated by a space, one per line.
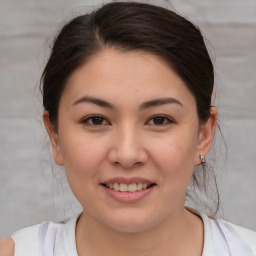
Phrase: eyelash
pixel 167 119
pixel 85 121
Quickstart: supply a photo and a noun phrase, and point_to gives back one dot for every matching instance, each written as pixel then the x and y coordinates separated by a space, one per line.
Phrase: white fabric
pixel 228 241
pixel 26 241
pixel 221 238
pixel 48 235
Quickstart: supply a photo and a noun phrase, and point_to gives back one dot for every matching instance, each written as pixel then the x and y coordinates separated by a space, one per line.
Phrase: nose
pixel 127 149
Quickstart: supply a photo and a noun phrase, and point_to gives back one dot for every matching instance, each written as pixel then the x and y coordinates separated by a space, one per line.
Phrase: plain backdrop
pixel 30 191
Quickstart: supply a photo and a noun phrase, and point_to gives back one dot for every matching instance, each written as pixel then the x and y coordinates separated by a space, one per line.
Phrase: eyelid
pixel 169 119
pixel 85 120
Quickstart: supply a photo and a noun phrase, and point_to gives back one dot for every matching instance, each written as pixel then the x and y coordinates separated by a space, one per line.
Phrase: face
pixel 129 138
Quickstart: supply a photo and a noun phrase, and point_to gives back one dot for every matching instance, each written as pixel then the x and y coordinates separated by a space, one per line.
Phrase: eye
pixel 160 120
pixel 95 120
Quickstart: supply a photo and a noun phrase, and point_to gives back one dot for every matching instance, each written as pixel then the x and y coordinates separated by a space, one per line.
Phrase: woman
pixel 127 95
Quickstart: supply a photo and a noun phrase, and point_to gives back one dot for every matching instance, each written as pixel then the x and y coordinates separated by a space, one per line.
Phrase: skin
pixel 7 247
pixel 128 142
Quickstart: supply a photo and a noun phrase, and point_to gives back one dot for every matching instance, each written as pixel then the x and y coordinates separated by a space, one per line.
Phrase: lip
pixel 128 197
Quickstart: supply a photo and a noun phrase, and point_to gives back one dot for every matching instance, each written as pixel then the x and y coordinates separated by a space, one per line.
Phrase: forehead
pixel 117 76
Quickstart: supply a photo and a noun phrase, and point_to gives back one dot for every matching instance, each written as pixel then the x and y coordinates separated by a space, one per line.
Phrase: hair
pixel 130 26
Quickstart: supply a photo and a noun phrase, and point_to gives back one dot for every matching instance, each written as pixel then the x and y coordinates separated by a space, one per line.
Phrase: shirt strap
pixel 48 238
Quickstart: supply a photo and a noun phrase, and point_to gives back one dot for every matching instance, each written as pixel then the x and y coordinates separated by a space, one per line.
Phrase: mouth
pixel 128 190
pixel 124 187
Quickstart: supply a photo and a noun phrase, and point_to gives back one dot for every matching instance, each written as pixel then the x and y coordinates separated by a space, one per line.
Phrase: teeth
pixel 116 187
pixel 132 187
pixel 123 187
pixel 127 188
pixel 139 186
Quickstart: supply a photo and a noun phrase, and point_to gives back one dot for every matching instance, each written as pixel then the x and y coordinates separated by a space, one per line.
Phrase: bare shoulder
pixel 7 247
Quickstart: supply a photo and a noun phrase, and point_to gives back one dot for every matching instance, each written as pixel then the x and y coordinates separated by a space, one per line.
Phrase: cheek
pixel 174 157
pixel 82 156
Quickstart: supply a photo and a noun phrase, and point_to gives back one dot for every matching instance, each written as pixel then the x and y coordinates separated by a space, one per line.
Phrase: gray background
pixel 31 192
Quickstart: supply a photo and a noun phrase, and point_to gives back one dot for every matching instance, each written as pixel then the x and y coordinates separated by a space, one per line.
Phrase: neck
pixel 181 234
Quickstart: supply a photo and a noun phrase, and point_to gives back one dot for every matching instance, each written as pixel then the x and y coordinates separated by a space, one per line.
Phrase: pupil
pixel 158 120
pixel 97 120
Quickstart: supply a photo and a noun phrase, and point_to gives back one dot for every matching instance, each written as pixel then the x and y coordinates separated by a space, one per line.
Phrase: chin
pixel 130 223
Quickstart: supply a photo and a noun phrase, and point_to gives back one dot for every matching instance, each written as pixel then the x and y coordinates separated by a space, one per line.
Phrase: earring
pixel 203 160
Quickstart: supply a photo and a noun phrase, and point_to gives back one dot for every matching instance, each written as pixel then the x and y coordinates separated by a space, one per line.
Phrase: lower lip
pixel 128 197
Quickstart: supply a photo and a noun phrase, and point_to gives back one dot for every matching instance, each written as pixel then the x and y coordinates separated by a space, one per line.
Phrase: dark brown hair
pixel 128 26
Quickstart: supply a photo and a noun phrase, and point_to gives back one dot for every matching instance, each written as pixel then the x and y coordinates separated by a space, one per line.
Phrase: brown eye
pixel 160 120
pixel 95 120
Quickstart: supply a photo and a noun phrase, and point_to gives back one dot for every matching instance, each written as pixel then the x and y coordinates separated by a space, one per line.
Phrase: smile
pixel 121 187
pixel 128 190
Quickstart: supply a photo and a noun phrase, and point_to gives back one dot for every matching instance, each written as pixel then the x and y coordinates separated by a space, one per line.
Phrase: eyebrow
pixel 145 105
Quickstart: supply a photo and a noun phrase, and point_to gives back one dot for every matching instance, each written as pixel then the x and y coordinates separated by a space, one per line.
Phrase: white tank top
pixel 53 239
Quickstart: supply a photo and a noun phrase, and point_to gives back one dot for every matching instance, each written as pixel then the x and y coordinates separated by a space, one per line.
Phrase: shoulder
pixel 239 235
pixel 26 232
pixel 34 239
pixel 248 235
pixel 228 236
pixel 26 241
pixel 7 247
pixel 20 240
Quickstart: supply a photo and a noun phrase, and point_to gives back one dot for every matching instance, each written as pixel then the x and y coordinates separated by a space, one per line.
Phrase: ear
pixel 54 139
pixel 206 135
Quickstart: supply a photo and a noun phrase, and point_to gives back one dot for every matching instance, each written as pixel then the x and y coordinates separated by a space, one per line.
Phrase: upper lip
pixel 127 181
